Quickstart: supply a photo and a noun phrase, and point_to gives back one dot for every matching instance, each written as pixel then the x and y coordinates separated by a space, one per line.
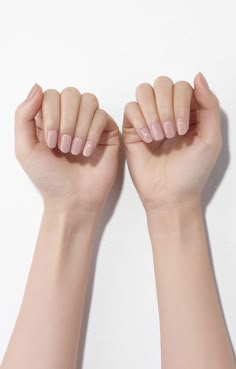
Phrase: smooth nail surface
pixel 204 81
pixel 32 92
pixel 76 146
pixel 169 129
pixel 181 126
pixel 88 148
pixel 157 132
pixel 146 135
pixel 52 139
pixel 65 143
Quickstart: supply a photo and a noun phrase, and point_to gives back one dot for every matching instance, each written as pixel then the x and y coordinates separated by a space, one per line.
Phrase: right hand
pixel 170 166
pixel 68 147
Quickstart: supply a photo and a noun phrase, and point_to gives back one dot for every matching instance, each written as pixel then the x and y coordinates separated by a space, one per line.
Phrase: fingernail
pixel 169 129
pixel 32 91
pixel 88 148
pixel 65 143
pixel 181 126
pixel 76 146
pixel 204 81
pixel 157 132
pixel 146 135
pixel 52 139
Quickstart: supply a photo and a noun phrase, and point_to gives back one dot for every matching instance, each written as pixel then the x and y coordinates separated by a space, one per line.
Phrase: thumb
pixel 208 104
pixel 25 127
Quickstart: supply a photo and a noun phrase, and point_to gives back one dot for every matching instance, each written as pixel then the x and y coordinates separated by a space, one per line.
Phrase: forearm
pixel 47 330
pixel 193 333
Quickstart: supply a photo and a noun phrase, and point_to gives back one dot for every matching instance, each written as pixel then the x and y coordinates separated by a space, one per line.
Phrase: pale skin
pixel 172 140
pixel 169 171
pixel 74 189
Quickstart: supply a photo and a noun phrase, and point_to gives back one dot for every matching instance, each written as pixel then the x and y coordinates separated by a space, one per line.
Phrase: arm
pixel 64 169
pixel 193 333
pixel 169 166
pixel 47 331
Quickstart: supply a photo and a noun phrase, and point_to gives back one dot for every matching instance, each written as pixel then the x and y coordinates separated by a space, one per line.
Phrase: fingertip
pixel 89 148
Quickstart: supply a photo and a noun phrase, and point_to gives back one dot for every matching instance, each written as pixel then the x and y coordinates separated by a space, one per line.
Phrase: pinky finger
pixel 135 116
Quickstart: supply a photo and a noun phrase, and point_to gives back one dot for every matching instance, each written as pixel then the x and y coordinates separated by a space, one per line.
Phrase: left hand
pixel 172 139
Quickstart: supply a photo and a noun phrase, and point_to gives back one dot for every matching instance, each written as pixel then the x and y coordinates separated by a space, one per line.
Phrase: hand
pixel 172 139
pixel 68 147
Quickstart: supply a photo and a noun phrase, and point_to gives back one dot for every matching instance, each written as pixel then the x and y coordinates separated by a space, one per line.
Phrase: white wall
pixel 108 47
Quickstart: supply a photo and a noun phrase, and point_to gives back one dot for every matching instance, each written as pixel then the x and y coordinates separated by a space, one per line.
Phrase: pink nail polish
pixel 146 135
pixel 88 148
pixel 52 139
pixel 204 81
pixel 169 129
pixel 65 143
pixel 181 126
pixel 76 146
pixel 157 132
pixel 32 91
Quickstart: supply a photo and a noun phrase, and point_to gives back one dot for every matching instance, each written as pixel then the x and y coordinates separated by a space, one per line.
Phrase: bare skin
pixel 74 187
pixel 172 140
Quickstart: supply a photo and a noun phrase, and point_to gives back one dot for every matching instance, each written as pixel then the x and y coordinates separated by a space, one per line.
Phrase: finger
pixel 134 116
pixel 163 88
pixel 98 125
pixel 146 99
pixel 182 103
pixel 209 111
pixel 51 117
pixel 25 127
pixel 70 102
pixel 88 107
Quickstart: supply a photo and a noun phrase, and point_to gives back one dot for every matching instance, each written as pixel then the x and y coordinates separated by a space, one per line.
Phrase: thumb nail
pixel 32 92
pixel 204 81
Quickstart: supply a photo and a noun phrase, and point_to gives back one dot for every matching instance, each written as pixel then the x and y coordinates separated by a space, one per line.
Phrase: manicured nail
pixel 181 126
pixel 146 135
pixel 52 139
pixel 76 146
pixel 32 91
pixel 169 128
pixel 157 132
pixel 88 148
pixel 204 81
pixel 65 143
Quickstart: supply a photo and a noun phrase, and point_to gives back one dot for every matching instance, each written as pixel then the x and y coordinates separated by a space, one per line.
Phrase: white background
pixel 108 47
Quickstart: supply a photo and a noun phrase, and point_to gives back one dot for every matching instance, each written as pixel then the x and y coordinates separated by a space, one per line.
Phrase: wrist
pixel 176 222
pixel 71 213
pixel 175 208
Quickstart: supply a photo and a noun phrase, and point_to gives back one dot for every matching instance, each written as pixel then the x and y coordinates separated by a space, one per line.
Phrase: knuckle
pixel 129 107
pixel 163 80
pixel 90 99
pixel 71 91
pixel 102 114
pixel 51 92
pixel 183 85
pixel 143 87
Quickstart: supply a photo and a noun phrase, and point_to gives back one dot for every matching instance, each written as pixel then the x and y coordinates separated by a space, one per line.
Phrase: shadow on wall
pixel 210 189
pixel 104 219
pixel 213 183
